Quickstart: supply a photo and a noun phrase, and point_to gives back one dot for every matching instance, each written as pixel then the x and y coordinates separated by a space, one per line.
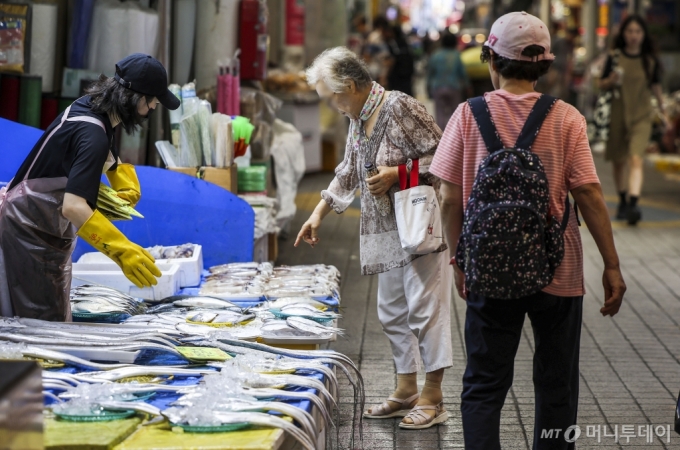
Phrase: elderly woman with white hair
pixel 389 129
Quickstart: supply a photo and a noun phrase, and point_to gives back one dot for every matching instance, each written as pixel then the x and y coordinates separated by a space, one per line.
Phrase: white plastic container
pixel 111 275
pixel 190 269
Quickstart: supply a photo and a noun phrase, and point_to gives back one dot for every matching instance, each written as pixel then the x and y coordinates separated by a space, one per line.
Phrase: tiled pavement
pixel 630 365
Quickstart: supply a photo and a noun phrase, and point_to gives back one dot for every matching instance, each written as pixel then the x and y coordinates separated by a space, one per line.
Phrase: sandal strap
pixel 418 417
pixel 425 408
pixel 385 408
pixel 404 401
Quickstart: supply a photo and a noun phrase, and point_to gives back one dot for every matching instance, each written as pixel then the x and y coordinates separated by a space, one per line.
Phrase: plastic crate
pixel 190 269
pixel 112 276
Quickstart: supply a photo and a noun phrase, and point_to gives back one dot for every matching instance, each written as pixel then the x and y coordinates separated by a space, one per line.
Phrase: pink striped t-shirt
pixel 562 145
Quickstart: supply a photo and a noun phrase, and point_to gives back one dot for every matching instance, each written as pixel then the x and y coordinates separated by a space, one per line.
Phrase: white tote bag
pixel 418 216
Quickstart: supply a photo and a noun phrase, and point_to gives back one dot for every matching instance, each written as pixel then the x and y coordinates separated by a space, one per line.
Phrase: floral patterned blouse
pixel 403 131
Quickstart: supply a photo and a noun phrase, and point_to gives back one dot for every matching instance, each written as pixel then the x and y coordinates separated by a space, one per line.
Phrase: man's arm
pixel 594 210
pixel 452 222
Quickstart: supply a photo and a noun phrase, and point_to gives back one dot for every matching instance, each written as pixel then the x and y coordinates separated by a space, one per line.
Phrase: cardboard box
pixel 191 171
pixel 224 177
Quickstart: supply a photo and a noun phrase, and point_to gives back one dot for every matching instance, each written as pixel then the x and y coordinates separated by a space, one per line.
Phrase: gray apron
pixel 36 242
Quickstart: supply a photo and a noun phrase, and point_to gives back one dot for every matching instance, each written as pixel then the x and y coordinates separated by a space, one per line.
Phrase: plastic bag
pixel 289 167
pixel 259 106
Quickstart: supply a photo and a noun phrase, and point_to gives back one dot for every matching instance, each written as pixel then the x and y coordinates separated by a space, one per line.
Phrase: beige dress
pixel 403 131
pixel 631 117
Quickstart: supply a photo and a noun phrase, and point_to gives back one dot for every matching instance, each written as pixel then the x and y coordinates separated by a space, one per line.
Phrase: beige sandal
pixel 423 420
pixel 385 411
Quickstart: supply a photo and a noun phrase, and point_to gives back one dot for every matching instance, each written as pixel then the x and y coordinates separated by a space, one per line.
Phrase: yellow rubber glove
pixel 137 264
pixel 124 180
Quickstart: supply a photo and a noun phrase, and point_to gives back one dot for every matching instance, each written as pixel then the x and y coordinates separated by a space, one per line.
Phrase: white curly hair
pixel 337 67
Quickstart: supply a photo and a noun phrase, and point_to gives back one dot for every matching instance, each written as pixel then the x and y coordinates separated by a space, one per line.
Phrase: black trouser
pixel 493 329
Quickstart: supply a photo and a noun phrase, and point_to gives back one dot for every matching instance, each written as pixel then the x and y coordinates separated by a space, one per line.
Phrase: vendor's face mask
pixel 150 107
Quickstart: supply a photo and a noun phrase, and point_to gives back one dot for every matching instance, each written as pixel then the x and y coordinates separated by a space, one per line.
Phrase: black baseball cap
pixel 146 75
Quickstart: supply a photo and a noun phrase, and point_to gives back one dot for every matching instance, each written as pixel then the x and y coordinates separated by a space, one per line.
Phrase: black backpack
pixel 510 245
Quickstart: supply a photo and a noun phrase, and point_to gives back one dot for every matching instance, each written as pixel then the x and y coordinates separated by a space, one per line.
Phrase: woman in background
pixel 634 71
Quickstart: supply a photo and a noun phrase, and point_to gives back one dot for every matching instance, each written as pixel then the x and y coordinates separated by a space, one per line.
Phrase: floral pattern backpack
pixel 510 245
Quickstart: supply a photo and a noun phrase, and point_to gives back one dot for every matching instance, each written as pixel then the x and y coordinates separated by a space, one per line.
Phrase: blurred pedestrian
pixel 401 63
pixel 447 79
pixel 560 76
pixel 357 37
pixel 375 52
pixel 389 129
pixel 633 71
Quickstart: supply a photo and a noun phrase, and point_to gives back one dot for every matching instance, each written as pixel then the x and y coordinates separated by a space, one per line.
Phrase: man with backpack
pixel 513 156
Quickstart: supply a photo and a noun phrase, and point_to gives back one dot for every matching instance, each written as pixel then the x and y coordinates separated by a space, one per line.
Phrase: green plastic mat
pixel 62 435
pixel 102 416
pixel 215 429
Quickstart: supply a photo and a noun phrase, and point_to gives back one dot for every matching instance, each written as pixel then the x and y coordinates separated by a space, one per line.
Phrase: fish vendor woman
pixel 52 198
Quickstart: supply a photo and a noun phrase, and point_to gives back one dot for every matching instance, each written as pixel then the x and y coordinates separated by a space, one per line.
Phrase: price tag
pixel 203 353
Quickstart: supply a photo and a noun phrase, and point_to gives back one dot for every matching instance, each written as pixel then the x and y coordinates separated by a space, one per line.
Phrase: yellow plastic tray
pixel 61 435
pixel 162 438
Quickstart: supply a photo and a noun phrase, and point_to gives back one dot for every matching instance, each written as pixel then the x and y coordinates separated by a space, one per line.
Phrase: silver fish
pixel 233 318
pixel 136 371
pixel 141 407
pixel 310 313
pixel 41 353
pixel 264 393
pixel 338 359
pixel 301 307
pixel 204 302
pixel 202 317
pixel 271 381
pixel 311 326
pixel 126 388
pixel 194 329
pixel 95 339
pixel 280 303
pixel 56 385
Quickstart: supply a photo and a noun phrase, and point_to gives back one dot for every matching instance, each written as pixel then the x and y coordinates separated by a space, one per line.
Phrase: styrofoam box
pixel 190 269
pixel 112 276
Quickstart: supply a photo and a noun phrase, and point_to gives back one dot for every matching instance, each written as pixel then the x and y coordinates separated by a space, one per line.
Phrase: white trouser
pixel 414 308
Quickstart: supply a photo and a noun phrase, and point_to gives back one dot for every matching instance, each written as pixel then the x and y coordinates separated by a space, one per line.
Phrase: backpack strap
pixel 482 115
pixel 534 122
pixel 567 210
